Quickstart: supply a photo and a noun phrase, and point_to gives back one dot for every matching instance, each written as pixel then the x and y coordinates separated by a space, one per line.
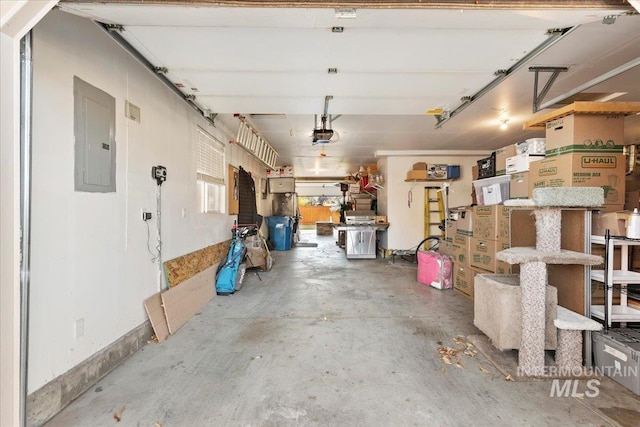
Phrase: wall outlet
pixel 146 216
pixel 78 328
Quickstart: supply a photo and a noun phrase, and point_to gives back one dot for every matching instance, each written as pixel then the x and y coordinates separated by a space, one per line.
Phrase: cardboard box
pixel 504 224
pixel 420 166
pixel 587 132
pixel 283 172
pixel 485 222
pixel 502 154
pixel 362 204
pixel 611 208
pixel 520 162
pixel 492 222
pixel 463 223
pixel 531 146
pixel 616 222
pixel 443 171
pixel 519 186
pixel 631 200
pixel 482 254
pixel 502 267
pixel 459 246
pixel 417 174
pixel 381 219
pixel 256 257
pixel 463 279
pixel 474 172
pixel 446 247
pixel 582 170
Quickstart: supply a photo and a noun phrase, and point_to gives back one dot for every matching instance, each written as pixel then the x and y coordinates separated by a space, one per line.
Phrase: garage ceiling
pixel 270 64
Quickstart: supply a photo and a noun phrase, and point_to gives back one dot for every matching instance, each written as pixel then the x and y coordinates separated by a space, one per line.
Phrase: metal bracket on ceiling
pixel 115 27
pixel 538 97
pixel 161 70
pixel 444 116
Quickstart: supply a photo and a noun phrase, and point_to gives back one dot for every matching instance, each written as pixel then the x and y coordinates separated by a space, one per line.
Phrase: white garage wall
pixel 89 250
pixel 407 223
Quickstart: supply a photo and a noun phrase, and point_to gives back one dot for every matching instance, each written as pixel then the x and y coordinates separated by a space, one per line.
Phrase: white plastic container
pixel 633 225
pixel 492 191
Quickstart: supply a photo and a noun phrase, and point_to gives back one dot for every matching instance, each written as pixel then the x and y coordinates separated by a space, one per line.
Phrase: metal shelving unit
pixel 610 277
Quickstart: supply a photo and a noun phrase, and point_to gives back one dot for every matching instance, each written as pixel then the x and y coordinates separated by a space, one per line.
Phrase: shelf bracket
pixel 538 97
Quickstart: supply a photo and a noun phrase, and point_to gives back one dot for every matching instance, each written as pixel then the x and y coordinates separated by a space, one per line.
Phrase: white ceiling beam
pixel 442 153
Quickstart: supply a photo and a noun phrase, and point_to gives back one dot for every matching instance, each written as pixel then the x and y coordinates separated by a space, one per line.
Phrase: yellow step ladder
pixel 434 209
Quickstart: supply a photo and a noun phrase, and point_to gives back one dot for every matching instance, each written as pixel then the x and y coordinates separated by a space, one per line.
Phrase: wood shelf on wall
pixel 583 107
pixel 428 180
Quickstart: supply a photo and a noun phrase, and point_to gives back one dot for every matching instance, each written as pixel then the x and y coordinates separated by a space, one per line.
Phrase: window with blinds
pixel 210 173
pixel 210 164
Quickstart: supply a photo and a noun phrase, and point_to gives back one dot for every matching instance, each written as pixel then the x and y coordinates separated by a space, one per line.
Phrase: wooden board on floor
pixel 182 302
pixel 155 311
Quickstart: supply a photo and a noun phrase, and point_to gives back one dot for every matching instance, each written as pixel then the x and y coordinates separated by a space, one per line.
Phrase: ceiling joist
pixel 411 4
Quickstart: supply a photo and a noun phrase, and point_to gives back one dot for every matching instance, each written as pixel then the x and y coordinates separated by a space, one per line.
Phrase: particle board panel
pixel 583 107
pixel 155 311
pixel 186 266
pixel 182 302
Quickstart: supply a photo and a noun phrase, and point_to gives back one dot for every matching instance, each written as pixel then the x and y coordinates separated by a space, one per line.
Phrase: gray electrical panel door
pixel 94 130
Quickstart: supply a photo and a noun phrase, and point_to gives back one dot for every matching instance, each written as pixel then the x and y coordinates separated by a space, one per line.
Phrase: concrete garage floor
pixel 329 342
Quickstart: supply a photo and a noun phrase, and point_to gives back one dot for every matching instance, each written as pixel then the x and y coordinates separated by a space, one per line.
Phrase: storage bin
pixel 617 355
pixel 492 191
pixel 487 167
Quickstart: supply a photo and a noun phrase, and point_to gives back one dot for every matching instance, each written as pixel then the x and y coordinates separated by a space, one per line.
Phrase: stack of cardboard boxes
pixel 433 172
pixel 584 148
pixel 474 235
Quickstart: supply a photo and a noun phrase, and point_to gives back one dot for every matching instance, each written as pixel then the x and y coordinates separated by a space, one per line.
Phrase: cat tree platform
pixel 548 204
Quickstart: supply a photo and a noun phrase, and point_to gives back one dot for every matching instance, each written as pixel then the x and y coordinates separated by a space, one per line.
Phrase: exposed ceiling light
pixel 504 124
pixel 345 13
pixel 337 29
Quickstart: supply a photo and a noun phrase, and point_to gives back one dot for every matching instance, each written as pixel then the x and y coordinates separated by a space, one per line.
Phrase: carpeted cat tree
pixel 547 204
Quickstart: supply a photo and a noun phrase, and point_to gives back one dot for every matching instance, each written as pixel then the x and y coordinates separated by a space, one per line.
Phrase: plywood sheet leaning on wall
pixel 182 302
pixel 155 311
pixel 180 269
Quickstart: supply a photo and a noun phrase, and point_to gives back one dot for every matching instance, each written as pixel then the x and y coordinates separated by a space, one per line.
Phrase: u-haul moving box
pixel 584 132
pixel 582 170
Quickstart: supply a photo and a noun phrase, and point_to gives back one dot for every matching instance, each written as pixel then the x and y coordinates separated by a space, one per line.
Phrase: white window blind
pixel 210 163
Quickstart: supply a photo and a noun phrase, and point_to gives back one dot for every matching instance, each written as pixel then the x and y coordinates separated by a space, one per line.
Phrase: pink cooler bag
pixel 434 269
